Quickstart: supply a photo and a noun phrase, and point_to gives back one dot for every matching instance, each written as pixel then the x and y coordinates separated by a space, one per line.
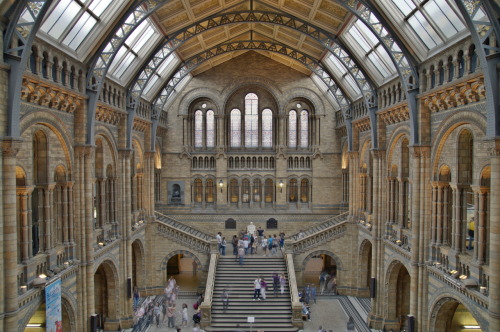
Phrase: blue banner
pixel 53 310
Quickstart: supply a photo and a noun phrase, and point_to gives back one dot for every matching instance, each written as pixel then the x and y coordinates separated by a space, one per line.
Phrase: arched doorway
pixel 398 295
pixel 320 271
pixel 37 321
pixel 105 293
pixel 138 268
pixel 452 316
pixel 185 267
pixel 365 268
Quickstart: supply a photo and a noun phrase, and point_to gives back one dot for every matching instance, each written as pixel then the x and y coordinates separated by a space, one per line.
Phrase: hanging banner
pixel 53 310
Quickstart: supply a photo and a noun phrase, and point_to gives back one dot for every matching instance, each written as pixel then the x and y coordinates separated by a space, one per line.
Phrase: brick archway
pixel 185 253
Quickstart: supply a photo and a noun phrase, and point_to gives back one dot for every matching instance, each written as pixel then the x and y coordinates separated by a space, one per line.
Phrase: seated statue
pixel 251 229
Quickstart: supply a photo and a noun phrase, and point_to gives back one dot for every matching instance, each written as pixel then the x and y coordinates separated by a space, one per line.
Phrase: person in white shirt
pixel 245 245
pixel 257 286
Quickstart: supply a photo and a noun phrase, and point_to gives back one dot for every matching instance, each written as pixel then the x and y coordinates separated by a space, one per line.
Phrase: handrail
pixel 294 292
pixel 189 230
pixel 327 234
pixel 328 223
pixel 206 305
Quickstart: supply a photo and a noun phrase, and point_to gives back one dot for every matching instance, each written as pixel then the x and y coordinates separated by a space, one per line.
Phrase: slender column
pixel 457 220
pixel 8 274
pixel 439 215
pixel 482 220
pixel 494 234
pixel 434 222
pixel 88 223
pixel 23 193
pixel 447 198
pixel 30 224
pixel 353 184
pixel 65 222
pixel 401 206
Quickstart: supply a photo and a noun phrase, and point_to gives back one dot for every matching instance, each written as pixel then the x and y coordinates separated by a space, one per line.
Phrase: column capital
pixel 420 151
pixel 10 147
pixel 353 154
pixel 125 153
pixel 379 153
pixel 26 190
pixel 82 151
pixel 495 149
pixel 480 189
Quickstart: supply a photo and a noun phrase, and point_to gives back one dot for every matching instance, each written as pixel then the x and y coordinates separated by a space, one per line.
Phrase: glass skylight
pixel 71 21
pixel 434 21
pixel 133 50
pixel 368 47
pixel 343 76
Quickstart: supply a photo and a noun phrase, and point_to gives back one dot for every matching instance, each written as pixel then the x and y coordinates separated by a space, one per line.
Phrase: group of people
pixel 260 286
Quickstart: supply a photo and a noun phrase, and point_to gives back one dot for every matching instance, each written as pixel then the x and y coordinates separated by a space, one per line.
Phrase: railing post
pixel 206 306
pixel 294 292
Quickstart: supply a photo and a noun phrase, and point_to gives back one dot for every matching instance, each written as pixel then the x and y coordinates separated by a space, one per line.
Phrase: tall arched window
pixel 256 190
pixel 198 191
pixel 304 129
pixel 245 191
pixel 251 120
pixel 293 193
pixel 267 128
pixel 198 129
pixel 304 191
pixel 210 129
pixel 292 129
pixel 235 128
pixel 234 191
pixel 269 191
pixel 210 191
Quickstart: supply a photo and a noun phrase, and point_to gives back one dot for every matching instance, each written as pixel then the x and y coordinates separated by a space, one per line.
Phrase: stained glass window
pixel 198 129
pixel 267 128
pixel 292 129
pixel 235 128
pixel 251 120
pixel 304 129
pixel 210 129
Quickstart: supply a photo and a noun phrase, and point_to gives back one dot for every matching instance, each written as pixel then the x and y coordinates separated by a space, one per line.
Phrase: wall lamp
pixel 221 184
pixel 281 186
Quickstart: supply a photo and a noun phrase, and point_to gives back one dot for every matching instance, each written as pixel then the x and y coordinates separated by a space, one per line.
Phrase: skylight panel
pixel 71 21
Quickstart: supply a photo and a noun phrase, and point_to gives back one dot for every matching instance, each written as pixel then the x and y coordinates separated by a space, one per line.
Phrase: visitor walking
pixel 282 283
pixel 184 314
pixel 225 300
pixel 223 246
pixel 263 286
pixel 256 289
pixel 241 254
pixel 276 283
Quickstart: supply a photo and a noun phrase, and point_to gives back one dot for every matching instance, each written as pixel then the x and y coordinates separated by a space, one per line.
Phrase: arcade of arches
pixel 133 131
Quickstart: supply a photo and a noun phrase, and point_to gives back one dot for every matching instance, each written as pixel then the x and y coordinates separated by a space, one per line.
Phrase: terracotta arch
pixel 108 289
pixel 138 264
pixel 442 311
pixel 395 292
pixel 365 255
pixel 186 253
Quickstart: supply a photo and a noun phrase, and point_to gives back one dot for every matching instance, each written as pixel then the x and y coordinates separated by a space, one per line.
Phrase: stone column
pixel 23 193
pixel 481 236
pixel 494 257
pixel 8 224
pixel 353 184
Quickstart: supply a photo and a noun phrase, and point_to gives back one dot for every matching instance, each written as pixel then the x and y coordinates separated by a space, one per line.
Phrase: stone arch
pixel 110 140
pixel 69 308
pixel 337 260
pixel 394 140
pixel 448 125
pixel 200 93
pixel 442 309
pixel 163 265
pixel 394 276
pixel 110 291
pixel 365 260
pixel 35 304
pixel 138 264
pixel 53 123
pixel 308 95
pixel 261 82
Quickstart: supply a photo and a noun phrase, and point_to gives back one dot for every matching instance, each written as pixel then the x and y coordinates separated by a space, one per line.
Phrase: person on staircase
pixel 264 245
pixel 276 283
pixel 270 245
pixel 241 254
pixel 256 289
pixel 225 300
pixel 263 286
pixel 223 245
pixel 234 242
pixel 282 283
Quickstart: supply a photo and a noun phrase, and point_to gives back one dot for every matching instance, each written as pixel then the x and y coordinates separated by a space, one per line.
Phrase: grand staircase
pixel 273 314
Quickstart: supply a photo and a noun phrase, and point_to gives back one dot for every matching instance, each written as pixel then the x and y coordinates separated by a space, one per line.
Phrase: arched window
pixel 235 128
pixel 210 129
pixel 198 129
pixel 245 191
pixel 256 190
pixel 269 191
pixel 198 191
pixel 304 129
pixel 293 191
pixel 292 129
pixel 251 120
pixel 210 191
pixel 267 128
pixel 234 191
pixel 304 190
